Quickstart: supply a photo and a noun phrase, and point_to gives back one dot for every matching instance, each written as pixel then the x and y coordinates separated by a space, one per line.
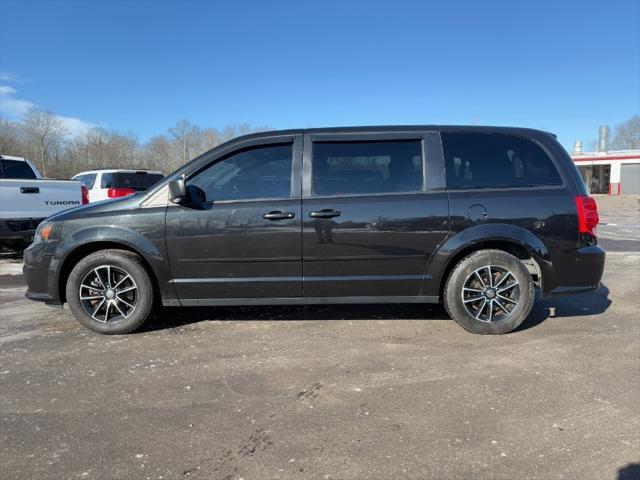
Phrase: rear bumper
pixel 17 230
pixel 41 275
pixel 579 271
pixel 572 290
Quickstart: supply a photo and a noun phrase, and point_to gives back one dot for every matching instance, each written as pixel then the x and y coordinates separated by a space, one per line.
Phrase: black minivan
pixel 475 217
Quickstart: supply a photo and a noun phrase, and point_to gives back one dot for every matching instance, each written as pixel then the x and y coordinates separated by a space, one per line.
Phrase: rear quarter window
pixel 88 180
pixel 490 160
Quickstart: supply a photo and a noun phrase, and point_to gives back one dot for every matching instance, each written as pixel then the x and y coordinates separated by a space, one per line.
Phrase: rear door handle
pixel 278 215
pixel 29 190
pixel 325 213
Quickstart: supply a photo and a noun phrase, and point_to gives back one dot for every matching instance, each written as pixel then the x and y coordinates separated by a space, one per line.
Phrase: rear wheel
pixel 110 292
pixel 489 292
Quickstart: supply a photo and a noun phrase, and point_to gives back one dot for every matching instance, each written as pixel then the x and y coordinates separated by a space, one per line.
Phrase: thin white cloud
pixel 10 107
pixel 14 109
pixel 75 125
pixel 9 77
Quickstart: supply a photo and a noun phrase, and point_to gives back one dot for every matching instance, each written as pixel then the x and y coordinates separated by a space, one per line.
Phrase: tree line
pixel 43 138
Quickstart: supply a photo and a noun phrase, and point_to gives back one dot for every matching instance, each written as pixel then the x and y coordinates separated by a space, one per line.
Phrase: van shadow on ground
pixel 583 304
pixel 593 303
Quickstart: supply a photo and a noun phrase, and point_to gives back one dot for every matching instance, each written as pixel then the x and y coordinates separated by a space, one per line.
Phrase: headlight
pixel 43 232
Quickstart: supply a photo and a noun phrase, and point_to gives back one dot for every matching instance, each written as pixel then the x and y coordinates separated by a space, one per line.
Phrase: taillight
pixel 120 192
pixel 85 194
pixel 587 214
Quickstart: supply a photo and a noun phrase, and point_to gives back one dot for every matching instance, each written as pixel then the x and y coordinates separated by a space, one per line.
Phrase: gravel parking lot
pixel 330 392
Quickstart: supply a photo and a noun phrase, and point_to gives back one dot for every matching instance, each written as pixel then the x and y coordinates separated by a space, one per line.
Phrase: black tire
pixel 462 305
pixel 141 296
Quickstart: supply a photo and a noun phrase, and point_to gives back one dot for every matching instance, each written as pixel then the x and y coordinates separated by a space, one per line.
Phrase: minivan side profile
pixel 477 218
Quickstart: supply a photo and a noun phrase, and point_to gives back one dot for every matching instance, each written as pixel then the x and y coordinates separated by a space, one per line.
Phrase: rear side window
pixel 343 168
pixel 486 160
pixel 106 181
pixel 88 180
pixel 136 181
pixel 16 169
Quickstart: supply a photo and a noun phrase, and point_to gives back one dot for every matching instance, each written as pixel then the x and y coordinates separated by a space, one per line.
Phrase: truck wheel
pixel 489 292
pixel 110 292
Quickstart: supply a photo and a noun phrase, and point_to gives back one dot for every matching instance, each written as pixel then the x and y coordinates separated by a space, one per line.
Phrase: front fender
pixel 473 237
pixel 108 233
pixel 150 247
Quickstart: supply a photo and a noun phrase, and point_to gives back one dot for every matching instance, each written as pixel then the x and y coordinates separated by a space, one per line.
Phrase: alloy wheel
pixel 108 294
pixel 490 293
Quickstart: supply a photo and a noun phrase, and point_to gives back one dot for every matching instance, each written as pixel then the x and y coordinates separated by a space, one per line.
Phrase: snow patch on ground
pixel 10 267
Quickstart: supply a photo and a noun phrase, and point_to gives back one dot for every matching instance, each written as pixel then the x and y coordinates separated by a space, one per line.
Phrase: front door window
pixel 255 173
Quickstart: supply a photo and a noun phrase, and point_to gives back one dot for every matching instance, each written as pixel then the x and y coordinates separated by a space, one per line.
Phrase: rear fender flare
pixel 473 238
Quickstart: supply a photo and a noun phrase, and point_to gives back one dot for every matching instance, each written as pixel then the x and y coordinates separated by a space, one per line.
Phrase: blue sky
pixel 566 67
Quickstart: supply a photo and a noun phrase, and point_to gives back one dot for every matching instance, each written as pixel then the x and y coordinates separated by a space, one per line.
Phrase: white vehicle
pixel 104 184
pixel 26 199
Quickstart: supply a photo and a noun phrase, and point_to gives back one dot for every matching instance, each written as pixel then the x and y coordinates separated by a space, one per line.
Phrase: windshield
pixel 136 180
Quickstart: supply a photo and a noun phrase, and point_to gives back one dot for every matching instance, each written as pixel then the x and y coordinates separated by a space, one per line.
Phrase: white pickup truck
pixel 26 199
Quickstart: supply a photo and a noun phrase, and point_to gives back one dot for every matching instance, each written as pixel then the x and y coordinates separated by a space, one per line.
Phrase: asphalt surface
pixel 329 392
pixel 619 229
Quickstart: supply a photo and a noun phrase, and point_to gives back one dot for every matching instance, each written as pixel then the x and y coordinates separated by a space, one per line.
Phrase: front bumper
pixel 40 274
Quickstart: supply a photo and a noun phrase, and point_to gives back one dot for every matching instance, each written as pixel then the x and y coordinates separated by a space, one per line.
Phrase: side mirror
pixel 177 190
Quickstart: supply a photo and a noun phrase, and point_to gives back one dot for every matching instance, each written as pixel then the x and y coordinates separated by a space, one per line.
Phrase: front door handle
pixel 278 215
pixel 325 213
pixel 29 190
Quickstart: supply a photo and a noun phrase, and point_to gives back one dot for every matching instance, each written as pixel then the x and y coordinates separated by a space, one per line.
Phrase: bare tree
pixel 184 133
pixel 158 154
pixel 11 138
pixel 232 131
pixel 42 137
pixel 101 148
pixel 44 131
pixel 626 136
pixel 186 141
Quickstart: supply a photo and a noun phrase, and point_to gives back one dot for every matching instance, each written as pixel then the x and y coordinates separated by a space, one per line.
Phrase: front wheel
pixel 489 292
pixel 110 292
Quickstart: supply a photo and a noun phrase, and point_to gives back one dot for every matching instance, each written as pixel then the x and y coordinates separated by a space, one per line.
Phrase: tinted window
pixel 261 172
pixel 106 181
pixel 367 167
pixel 137 181
pixel 495 160
pixel 16 169
pixel 88 180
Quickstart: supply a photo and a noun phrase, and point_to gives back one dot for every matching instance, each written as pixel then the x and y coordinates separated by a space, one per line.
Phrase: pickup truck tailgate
pixel 37 198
